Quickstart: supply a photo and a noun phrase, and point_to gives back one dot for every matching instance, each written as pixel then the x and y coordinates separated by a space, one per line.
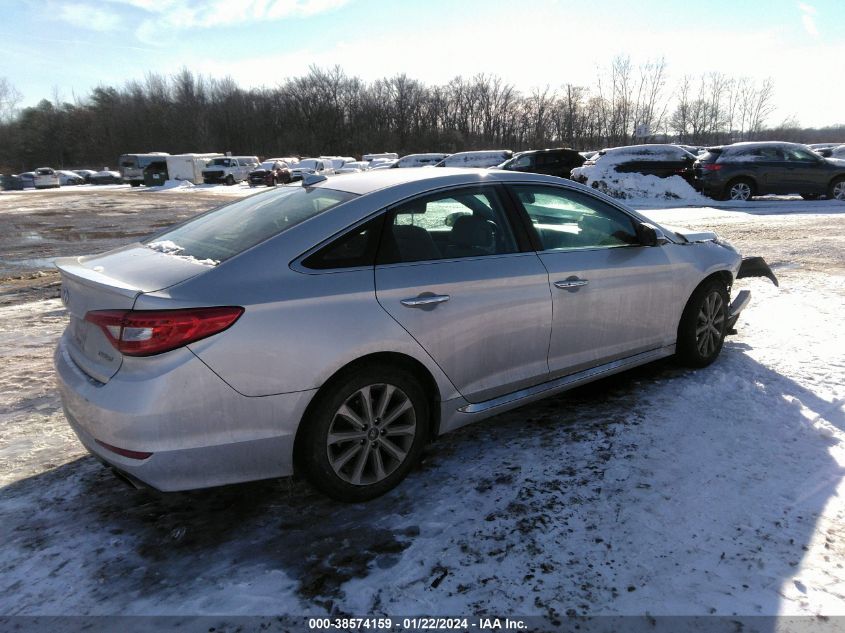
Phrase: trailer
pixel 188 166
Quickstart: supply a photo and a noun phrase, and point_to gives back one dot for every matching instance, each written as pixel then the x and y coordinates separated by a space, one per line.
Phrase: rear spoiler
pixel 756 267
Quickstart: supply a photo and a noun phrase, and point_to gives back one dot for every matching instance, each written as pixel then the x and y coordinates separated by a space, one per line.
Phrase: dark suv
pixel 554 162
pixel 743 170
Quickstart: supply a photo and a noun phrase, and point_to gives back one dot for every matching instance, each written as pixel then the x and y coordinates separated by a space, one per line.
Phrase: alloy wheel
pixel 740 191
pixel 710 324
pixel 839 190
pixel 371 434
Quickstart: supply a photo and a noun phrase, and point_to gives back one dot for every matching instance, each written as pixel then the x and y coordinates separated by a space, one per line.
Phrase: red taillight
pixel 125 452
pixel 710 166
pixel 144 333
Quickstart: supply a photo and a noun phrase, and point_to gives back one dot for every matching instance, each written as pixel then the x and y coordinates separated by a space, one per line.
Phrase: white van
pixel 419 160
pixel 481 159
pixel 229 169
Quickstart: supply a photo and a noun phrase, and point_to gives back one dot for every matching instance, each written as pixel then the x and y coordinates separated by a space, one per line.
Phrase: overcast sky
pixel 74 46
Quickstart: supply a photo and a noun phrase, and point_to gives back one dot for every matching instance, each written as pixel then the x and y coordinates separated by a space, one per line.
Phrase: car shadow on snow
pixel 659 490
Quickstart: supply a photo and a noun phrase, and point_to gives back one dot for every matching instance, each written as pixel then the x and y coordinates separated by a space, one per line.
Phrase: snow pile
pixel 637 186
pixel 172 248
pixel 175 184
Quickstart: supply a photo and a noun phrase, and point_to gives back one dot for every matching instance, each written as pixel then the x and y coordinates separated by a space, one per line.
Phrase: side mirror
pixel 650 235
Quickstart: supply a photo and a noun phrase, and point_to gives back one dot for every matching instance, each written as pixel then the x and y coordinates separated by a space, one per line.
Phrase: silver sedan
pixel 334 328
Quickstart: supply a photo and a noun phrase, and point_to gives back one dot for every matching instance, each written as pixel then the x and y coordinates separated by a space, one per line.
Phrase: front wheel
pixel 837 189
pixel 365 434
pixel 230 180
pixel 703 325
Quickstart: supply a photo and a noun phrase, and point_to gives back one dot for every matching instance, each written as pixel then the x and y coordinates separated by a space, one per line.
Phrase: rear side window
pixel 223 233
pixel 468 222
pixel 355 248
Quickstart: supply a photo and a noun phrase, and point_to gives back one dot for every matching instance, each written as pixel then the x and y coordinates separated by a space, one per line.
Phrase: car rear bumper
pixel 178 426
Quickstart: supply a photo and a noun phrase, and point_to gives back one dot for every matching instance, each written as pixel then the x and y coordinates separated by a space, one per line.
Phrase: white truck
pixel 189 166
pixel 229 169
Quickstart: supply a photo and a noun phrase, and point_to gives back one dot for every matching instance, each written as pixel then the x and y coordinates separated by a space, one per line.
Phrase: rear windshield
pixel 218 235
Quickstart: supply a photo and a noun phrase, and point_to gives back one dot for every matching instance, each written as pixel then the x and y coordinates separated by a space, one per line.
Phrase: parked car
pixel 353 167
pixel 270 173
pixel 337 162
pixel 106 177
pixel 27 179
pixel 838 152
pixel 312 166
pixel 743 170
pixel 86 174
pixel 68 178
pixel 419 160
pixel 480 159
pixel 661 160
pixel 229 169
pixel 12 182
pixel 46 178
pixel 383 163
pixel 555 162
pixel 371 157
pixel 342 325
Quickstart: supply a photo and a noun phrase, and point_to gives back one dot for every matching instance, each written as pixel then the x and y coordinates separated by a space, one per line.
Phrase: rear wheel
pixel 837 189
pixel 740 190
pixel 365 434
pixel 703 325
pixel 135 183
pixel 810 196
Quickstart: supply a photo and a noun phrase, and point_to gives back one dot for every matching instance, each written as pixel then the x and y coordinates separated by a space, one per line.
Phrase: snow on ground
pixel 660 491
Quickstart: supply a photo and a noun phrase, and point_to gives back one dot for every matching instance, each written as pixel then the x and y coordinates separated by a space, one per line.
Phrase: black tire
pixel 707 308
pixel 135 183
pixel 230 180
pixel 314 449
pixel 272 182
pixel 836 190
pixel 810 196
pixel 739 187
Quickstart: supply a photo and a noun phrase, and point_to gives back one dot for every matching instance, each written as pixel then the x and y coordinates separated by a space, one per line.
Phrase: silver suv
pixel 337 327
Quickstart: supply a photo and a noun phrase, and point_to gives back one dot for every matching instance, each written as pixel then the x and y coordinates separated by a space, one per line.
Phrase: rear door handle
pixel 572 283
pixel 424 300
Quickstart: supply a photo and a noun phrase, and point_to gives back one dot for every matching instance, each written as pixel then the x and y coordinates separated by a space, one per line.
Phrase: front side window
pixel 223 233
pixel 568 220
pixel 469 222
pixel 800 155
pixel 523 162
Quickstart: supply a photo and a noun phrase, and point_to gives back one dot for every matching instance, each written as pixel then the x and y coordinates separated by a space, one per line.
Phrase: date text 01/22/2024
pixel 416 624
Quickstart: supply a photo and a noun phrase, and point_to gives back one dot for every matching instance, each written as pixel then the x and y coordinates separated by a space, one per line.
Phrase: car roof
pixel 426 179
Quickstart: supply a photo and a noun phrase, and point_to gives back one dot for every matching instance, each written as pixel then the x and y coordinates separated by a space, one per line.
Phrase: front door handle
pixel 571 283
pixel 425 299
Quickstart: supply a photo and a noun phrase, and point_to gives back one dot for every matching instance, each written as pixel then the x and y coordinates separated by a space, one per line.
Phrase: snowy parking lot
pixel 662 490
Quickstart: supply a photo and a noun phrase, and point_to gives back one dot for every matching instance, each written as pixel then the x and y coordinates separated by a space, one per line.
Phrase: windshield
pixel 267 164
pixel 308 163
pixel 223 233
pixel 221 162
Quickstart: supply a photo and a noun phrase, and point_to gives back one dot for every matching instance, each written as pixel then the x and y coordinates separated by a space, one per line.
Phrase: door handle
pixel 424 300
pixel 572 283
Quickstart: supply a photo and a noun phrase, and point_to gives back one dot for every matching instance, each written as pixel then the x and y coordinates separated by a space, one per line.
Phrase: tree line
pixel 327 111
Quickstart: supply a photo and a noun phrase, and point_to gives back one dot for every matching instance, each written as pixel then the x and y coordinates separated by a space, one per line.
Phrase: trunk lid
pixel 112 281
